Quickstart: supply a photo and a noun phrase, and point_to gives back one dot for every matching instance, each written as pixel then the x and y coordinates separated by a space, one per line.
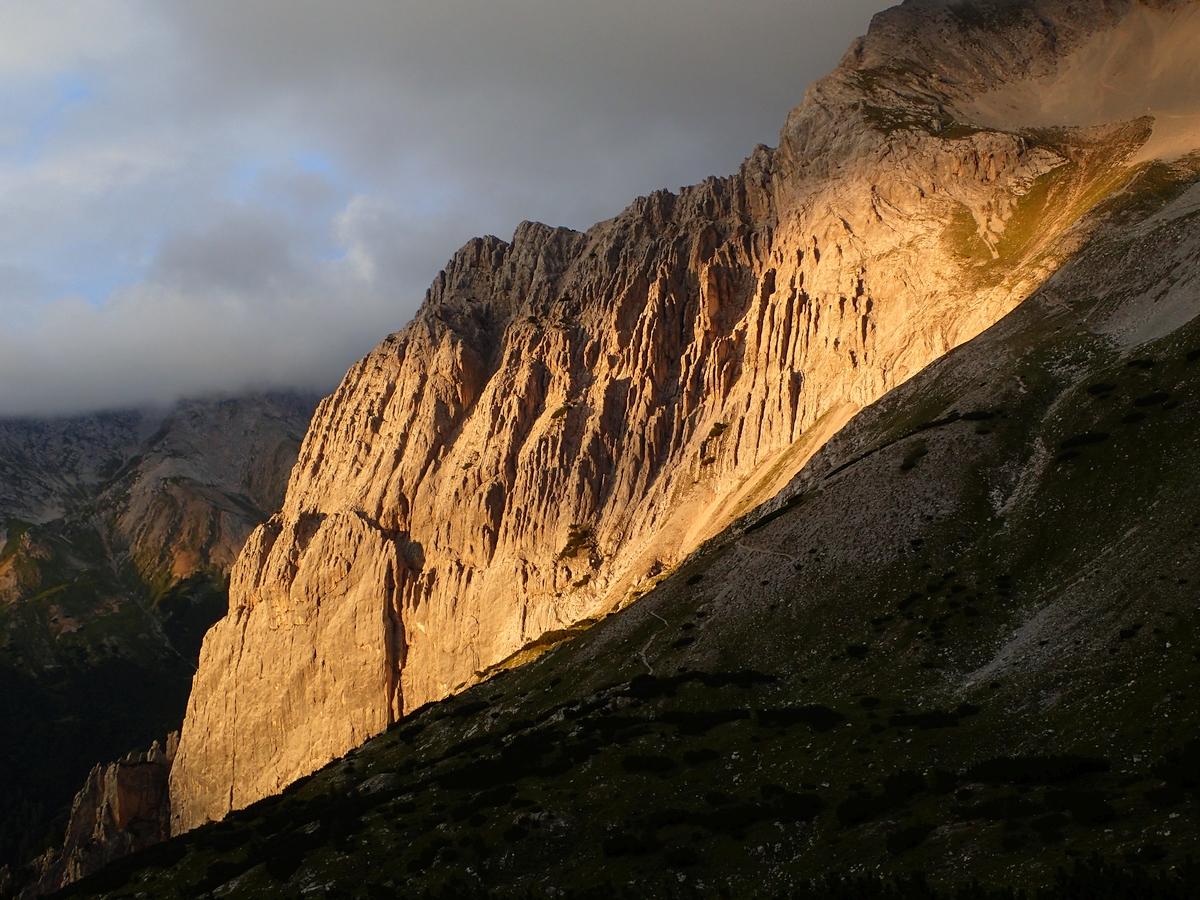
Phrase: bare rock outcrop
pixel 174 492
pixel 570 414
pixel 122 808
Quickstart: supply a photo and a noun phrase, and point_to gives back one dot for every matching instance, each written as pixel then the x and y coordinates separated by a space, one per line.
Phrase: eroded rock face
pixel 122 808
pixel 570 414
pixel 172 492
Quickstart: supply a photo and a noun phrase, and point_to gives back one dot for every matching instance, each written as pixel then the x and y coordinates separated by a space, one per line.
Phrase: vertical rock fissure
pixel 394 643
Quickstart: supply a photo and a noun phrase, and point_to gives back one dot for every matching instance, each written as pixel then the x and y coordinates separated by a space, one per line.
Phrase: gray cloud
pixel 252 193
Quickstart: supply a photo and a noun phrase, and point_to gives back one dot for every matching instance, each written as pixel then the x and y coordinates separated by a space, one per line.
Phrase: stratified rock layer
pixel 570 414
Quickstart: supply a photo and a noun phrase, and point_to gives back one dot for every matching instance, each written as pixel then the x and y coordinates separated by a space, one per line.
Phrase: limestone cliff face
pixel 50 466
pixel 570 414
pixel 121 809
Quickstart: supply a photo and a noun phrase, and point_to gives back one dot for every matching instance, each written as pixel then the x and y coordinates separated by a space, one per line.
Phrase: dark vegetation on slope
pixel 962 642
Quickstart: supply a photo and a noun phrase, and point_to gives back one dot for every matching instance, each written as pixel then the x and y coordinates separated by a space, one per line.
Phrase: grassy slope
pixel 965 646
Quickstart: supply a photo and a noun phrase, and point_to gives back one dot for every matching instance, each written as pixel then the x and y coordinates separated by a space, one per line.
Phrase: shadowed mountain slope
pixel 117 531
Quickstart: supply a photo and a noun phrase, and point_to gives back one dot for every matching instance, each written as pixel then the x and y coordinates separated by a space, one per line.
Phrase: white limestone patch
pixel 1172 303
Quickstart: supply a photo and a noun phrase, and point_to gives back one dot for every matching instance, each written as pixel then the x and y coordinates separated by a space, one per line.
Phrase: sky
pixel 212 197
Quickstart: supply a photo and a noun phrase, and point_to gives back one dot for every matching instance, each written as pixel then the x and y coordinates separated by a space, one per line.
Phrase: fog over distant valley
pixel 213 197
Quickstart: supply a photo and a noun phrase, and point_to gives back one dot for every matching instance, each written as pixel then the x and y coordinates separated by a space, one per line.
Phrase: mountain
pixel 960 641
pixel 570 415
pixel 118 531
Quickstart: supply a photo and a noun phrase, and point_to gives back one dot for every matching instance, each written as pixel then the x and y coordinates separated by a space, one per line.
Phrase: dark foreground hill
pixel 961 642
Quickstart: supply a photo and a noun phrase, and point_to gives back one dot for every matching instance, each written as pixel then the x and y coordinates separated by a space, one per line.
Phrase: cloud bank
pixel 222 196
